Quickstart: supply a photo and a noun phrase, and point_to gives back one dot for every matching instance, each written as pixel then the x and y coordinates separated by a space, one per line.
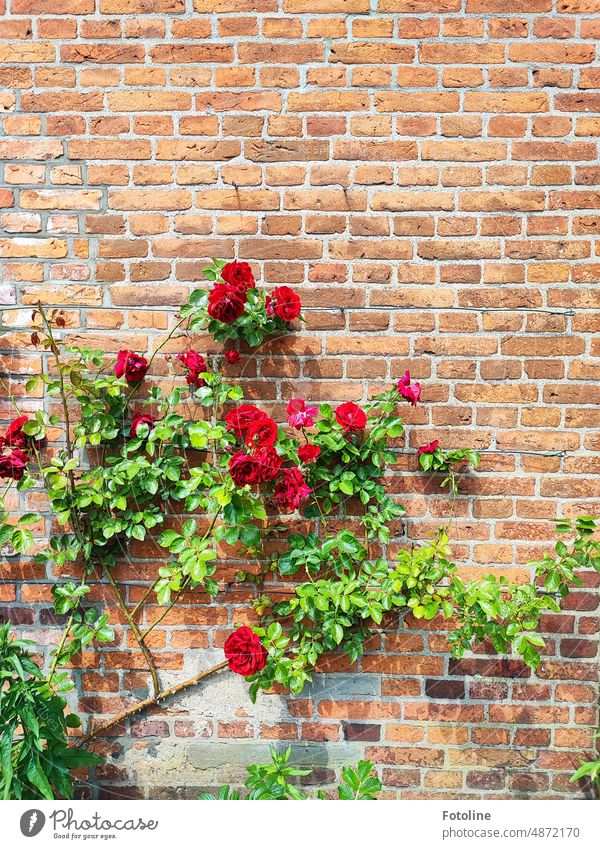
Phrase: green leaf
pixel 189 528
pixel 166 538
pixel 22 540
pixel 138 532
pixel 6 760
pixel 28 518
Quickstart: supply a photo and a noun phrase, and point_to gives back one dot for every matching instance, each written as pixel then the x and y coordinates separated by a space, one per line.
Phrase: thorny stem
pixel 136 632
pixel 65 406
pixel 77 526
pixel 153 700
pixel 63 396
pixel 63 639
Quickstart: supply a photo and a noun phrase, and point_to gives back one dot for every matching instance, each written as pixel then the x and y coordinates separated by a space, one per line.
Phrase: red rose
pixel 226 303
pixel 351 417
pixel 307 453
pixel 270 463
pixel 13 465
pixel 245 469
pixel 195 364
pixel 14 436
pixel 261 433
pixel 141 419
pixel 291 490
pixel 245 652
pixel 286 303
pixel 429 448
pixel 131 365
pixel 232 357
pixel 412 392
pixel 299 415
pixel 240 419
pixel 192 360
pixel 239 275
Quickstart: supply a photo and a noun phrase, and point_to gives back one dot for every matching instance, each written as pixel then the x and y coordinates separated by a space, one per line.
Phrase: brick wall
pixel 425 173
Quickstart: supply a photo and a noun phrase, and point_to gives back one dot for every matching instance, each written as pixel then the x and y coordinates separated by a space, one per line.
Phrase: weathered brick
pixel 479 101
pixel 196 151
pixel 326 6
pixel 61 199
pixel 52 7
pixel 150 199
pixel 102 53
pixel 191 53
pixel 286 151
pixel 432 101
pixel 132 7
pixel 148 101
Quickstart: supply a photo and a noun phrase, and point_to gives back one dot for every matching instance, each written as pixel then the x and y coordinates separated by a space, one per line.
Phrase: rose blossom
pixel 307 453
pixel 13 465
pixel 192 360
pixel 286 303
pixel 245 469
pixel 412 392
pixel 351 417
pixel 261 433
pixel 226 303
pixel 141 419
pixel 195 363
pixel 131 365
pixel 232 357
pixel 299 415
pixel 14 436
pixel 291 490
pixel 429 448
pixel 240 419
pixel 239 275
pixel 270 463
pixel 244 652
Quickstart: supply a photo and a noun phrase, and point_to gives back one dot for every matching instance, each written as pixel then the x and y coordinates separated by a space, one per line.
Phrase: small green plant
pixel 432 458
pixel 590 770
pixel 558 572
pixel 35 759
pixel 271 782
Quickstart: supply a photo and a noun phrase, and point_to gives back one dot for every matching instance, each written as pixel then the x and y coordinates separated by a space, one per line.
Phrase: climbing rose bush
pixel 241 472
